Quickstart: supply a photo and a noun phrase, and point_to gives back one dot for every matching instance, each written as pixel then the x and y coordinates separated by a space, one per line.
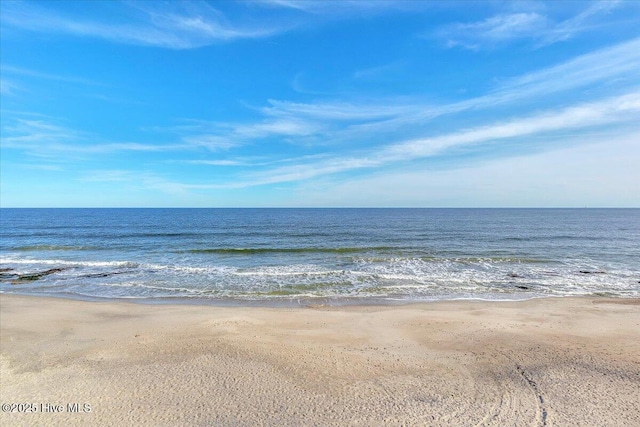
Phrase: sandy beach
pixel 569 361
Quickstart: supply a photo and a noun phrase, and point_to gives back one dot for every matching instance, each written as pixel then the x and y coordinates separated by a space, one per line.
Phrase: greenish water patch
pixel 252 251
pixel 461 260
pixel 305 289
pixel 475 260
pixel 34 248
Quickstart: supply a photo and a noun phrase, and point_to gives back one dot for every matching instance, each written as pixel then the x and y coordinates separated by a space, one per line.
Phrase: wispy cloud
pixel 25 83
pixel 292 122
pixel 621 60
pixel 142 180
pixel 299 85
pixel 612 110
pixel 355 122
pixel 4 69
pixel 379 71
pixel 620 110
pixel 46 139
pixel 219 162
pixel 390 186
pixel 494 30
pixel 175 25
pixel 360 124
pixel 7 87
pixel 257 161
pixel 281 127
pixel 42 167
pixel 328 122
pixel 36 136
pixel 334 110
pixel 588 115
pixel 507 27
pixel 303 171
pixel 585 170
pixel 567 29
pixel 344 7
pixel 223 136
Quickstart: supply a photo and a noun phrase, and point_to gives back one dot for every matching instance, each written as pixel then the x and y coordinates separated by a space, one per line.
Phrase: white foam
pixel 121 264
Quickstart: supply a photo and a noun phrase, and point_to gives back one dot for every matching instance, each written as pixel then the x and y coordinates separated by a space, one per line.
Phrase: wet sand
pixel 569 361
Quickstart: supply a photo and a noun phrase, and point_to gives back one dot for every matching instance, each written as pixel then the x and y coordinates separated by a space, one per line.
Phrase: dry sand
pixel 562 362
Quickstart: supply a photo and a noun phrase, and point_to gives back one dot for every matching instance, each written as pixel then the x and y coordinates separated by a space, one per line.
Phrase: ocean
pixel 319 256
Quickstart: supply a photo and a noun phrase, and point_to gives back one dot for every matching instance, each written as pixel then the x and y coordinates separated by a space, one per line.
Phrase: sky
pixel 354 103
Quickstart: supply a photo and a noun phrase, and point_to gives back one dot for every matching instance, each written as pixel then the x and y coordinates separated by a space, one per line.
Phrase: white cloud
pixel 621 109
pixel 137 180
pixel 305 171
pixel 335 110
pixel 36 134
pixel 503 28
pixel 216 162
pixel 601 66
pixel 617 109
pixel 210 142
pixel 379 71
pixel 185 24
pixel 46 139
pixel 357 122
pixel 332 121
pixel 112 175
pixel 569 28
pixel 7 87
pixel 31 73
pixel 596 171
pixel 493 30
pixel 258 161
pixel 283 127
pixel 175 25
pixel 344 7
pixel 398 189
pixel 41 166
pixel 216 136
pixel 291 122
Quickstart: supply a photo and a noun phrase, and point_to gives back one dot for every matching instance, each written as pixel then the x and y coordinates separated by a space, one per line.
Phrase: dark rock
pixel 591 272
pixel 514 275
pixel 522 287
pixel 5 274
pixel 38 275
pixel 98 275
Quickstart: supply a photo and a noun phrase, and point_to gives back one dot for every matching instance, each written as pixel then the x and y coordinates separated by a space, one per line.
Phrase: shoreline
pixel 304 302
pixel 542 361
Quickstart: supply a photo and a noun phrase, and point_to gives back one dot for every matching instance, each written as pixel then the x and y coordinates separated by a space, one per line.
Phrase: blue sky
pixel 320 103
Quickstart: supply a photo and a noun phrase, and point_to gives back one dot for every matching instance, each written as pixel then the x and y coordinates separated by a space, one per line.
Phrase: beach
pixel 553 361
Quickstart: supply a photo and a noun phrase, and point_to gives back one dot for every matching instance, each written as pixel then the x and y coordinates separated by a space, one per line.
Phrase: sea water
pixel 300 256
